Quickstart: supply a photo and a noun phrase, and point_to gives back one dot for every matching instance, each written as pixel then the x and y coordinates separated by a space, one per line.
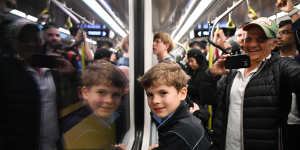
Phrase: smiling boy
pixel 166 88
pixel 103 87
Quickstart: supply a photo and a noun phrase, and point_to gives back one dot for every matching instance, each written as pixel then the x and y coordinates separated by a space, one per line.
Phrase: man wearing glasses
pixel 286 39
pixel 288 48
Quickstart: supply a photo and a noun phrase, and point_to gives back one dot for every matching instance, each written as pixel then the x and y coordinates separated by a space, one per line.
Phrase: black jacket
pixel 21 105
pixel 182 131
pixel 266 104
pixel 20 112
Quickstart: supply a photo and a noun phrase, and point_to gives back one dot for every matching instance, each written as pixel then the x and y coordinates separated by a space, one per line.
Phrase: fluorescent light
pixel 18 13
pixel 32 18
pixel 183 18
pixel 23 15
pixel 63 30
pixel 94 5
pixel 104 3
pixel 198 11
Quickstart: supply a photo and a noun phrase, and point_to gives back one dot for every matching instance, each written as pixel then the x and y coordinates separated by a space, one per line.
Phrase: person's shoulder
pixel 123 61
pixel 189 125
pixel 190 130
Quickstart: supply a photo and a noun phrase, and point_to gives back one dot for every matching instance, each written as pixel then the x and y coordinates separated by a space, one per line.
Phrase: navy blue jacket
pixel 182 131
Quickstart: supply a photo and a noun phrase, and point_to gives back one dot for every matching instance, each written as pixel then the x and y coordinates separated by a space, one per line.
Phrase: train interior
pixel 113 20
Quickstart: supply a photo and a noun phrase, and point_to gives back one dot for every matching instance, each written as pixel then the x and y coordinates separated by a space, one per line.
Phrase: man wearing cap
pixel 253 103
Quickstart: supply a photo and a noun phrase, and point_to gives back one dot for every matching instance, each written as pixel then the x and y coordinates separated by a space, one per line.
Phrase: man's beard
pixel 55 45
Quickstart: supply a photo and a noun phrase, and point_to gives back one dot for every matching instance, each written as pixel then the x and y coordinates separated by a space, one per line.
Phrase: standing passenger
pixel 124 60
pixel 197 85
pixel 240 36
pixel 30 92
pixel 166 88
pixel 253 103
pixel 162 45
pixel 288 48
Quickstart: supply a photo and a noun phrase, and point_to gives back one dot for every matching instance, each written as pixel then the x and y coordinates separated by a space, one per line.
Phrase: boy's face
pixel 103 100
pixel 164 100
pixel 159 46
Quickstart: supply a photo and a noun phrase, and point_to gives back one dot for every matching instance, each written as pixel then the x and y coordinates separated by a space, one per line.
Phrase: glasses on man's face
pixel 285 32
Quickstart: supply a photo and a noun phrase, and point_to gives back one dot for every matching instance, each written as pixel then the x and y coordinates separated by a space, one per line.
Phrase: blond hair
pixel 123 43
pixel 165 38
pixel 165 73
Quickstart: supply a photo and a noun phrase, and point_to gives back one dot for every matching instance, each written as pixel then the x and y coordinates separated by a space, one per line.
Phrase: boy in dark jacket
pixel 166 89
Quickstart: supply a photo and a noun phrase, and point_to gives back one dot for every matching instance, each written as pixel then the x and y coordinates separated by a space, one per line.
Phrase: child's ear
pixel 167 45
pixel 183 93
pixel 84 92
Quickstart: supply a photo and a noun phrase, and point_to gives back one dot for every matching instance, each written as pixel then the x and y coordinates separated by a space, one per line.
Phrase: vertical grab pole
pixel 211 53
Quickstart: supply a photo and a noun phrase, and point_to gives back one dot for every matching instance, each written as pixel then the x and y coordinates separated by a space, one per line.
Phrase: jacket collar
pixel 180 112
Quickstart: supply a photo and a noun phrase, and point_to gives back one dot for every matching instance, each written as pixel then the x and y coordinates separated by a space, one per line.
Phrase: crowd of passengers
pixel 254 108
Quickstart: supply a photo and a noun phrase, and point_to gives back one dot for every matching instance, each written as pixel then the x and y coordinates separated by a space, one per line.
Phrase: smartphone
pixel 44 61
pixel 237 61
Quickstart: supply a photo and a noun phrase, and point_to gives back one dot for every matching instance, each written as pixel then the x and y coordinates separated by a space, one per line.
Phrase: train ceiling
pixel 165 13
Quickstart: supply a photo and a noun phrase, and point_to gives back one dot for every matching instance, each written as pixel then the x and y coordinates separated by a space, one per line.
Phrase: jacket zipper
pixel 242 108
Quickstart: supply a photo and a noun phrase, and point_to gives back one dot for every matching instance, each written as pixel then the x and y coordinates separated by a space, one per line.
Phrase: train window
pixel 87 120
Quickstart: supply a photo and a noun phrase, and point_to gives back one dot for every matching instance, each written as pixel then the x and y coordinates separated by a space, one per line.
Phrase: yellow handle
pixel 230 23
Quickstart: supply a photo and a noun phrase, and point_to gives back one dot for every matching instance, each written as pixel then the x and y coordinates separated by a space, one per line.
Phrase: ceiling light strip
pixel 198 11
pixel 106 6
pixel 94 5
pixel 18 13
pixel 183 18
pixel 23 15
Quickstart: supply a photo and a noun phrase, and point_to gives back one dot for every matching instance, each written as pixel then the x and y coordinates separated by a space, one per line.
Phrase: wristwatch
pixel 293 12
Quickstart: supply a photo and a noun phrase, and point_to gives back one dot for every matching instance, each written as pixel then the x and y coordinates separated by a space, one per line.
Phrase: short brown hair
pixel 123 42
pixel 165 73
pixel 104 72
pixel 165 37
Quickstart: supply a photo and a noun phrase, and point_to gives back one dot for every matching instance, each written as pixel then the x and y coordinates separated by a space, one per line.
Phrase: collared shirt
pixel 169 59
pixel 161 121
pixel 234 128
pixel 235 114
pixel 49 122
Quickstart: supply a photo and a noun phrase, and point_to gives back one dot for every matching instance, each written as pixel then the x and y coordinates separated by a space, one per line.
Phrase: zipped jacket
pixel 266 104
pixel 182 131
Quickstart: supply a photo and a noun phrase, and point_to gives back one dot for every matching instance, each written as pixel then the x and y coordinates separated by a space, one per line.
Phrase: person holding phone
pixel 253 103
pixel 29 93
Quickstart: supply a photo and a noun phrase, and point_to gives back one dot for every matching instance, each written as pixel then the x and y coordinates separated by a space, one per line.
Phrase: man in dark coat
pixel 253 103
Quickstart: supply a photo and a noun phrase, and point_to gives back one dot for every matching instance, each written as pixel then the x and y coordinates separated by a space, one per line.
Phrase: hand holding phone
pixel 44 61
pixel 65 66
